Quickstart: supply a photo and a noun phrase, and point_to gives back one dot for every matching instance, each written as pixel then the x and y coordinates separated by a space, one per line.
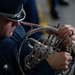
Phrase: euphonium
pixel 43 47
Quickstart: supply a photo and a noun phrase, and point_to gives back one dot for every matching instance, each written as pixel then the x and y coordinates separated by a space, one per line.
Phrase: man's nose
pixel 16 23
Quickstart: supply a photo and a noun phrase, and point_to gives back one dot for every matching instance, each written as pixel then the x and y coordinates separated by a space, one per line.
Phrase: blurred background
pixel 66 12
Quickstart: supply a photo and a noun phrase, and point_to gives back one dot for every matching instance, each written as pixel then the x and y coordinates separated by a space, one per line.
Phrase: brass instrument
pixel 41 48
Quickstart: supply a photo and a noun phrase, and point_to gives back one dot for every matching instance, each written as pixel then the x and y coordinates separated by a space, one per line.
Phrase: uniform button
pixel 5 67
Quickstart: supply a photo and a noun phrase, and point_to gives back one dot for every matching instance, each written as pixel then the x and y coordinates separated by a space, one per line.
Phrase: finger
pixel 69 58
pixel 72 37
pixel 67 34
pixel 67 55
pixel 68 40
pixel 65 64
pixel 63 30
pixel 64 67
pixel 64 27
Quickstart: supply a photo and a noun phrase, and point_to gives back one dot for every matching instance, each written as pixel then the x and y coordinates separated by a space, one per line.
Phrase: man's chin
pixel 10 35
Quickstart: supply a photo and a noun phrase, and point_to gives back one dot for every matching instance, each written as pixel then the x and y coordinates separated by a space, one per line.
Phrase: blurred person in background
pixel 54 11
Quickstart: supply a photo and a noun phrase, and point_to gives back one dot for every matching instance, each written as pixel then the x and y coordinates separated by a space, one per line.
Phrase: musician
pixel 11 35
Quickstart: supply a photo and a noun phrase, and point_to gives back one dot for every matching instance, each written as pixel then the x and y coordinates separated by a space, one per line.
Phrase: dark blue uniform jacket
pixel 9 56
